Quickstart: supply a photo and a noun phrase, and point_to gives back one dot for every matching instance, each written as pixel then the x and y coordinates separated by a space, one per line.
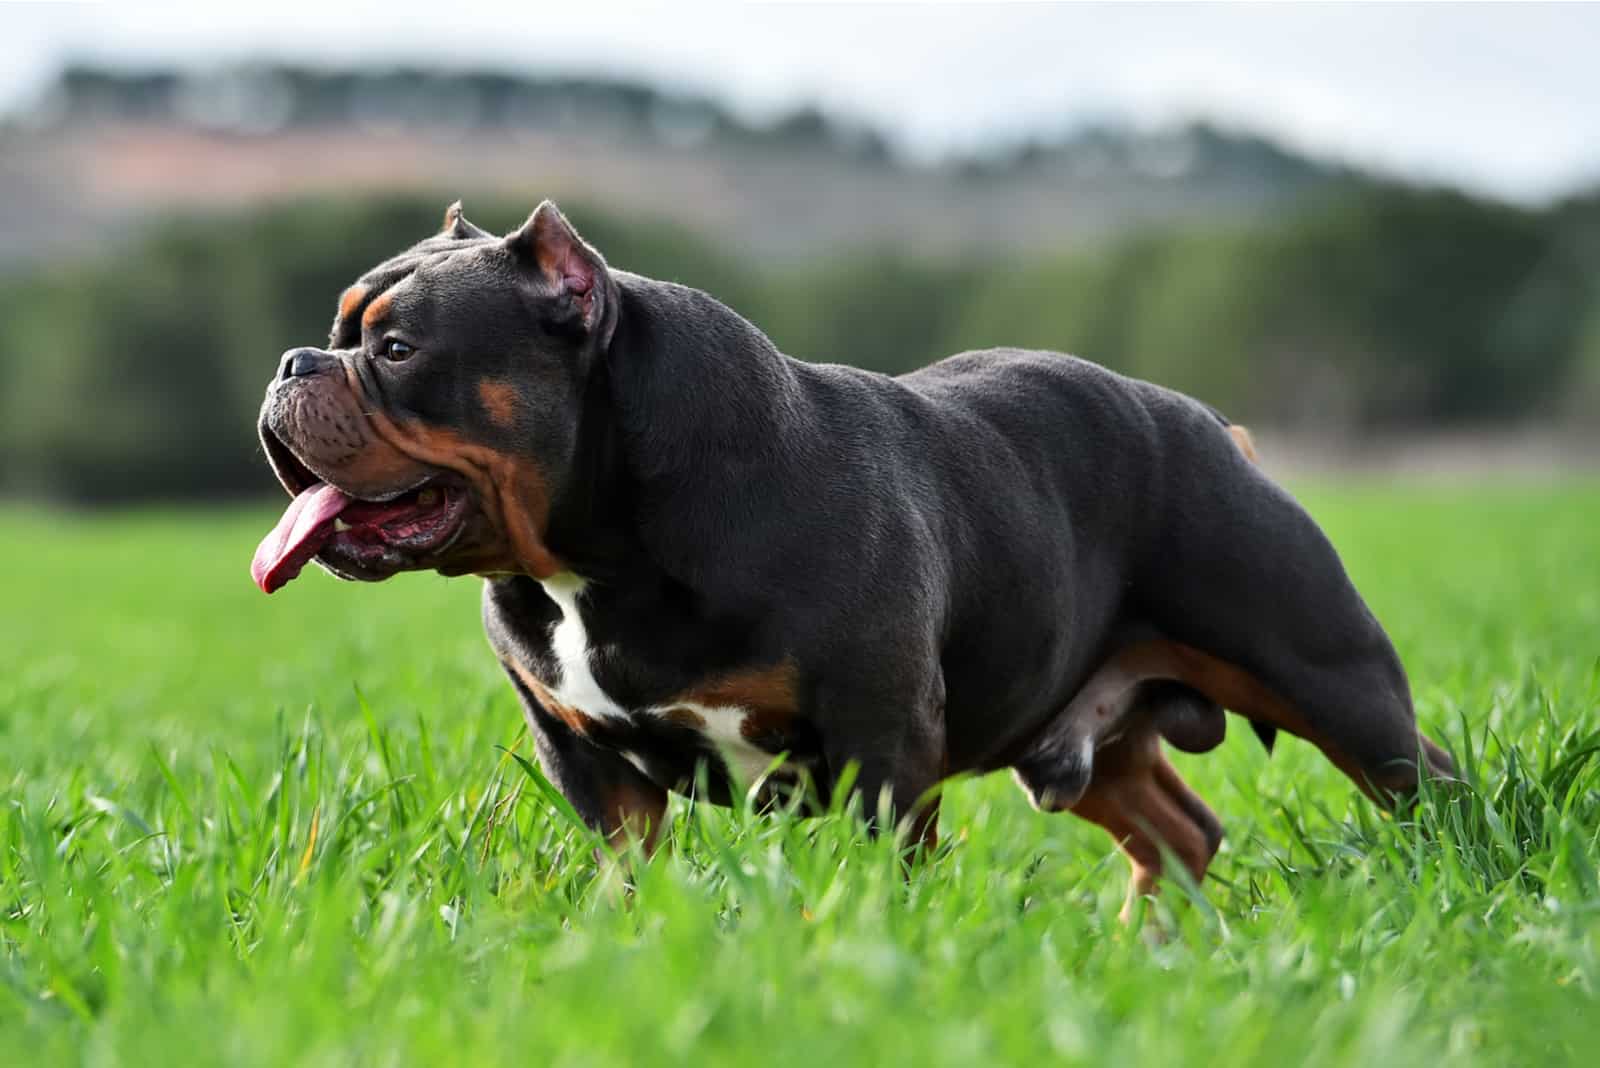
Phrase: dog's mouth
pixel 357 537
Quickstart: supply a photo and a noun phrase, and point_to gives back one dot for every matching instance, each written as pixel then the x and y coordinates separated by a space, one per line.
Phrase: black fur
pixel 944 558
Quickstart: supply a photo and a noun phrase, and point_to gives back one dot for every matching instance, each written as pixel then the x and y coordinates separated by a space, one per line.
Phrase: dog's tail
pixel 1247 444
pixel 1240 434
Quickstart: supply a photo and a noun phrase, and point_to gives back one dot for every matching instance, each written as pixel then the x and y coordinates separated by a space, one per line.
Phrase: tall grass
pixel 303 830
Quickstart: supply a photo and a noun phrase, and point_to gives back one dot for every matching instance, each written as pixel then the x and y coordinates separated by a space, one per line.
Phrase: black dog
pixel 702 554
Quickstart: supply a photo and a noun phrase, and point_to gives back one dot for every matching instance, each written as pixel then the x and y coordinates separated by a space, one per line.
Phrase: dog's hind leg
pixel 1263 618
pixel 1142 802
pixel 1136 691
pixel 1376 744
pixel 1101 759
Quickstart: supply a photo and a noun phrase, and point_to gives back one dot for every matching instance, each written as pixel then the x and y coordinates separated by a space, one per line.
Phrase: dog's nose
pixel 297 363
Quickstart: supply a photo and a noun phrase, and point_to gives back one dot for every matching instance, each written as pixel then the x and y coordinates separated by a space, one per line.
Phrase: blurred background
pixel 1373 233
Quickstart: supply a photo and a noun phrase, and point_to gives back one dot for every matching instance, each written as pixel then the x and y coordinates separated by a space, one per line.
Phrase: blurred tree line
pixel 138 375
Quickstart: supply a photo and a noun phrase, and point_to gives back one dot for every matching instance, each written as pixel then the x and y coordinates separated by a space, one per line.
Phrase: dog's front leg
pixel 893 736
pixel 608 793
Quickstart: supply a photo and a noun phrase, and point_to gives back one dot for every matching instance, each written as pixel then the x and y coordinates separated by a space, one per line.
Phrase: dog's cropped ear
pixel 570 269
pixel 457 227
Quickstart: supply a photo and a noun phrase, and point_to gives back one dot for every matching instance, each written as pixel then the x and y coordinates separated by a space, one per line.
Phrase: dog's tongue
pixel 305 526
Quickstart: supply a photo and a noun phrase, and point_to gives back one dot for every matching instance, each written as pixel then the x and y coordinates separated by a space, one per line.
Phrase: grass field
pixel 264 831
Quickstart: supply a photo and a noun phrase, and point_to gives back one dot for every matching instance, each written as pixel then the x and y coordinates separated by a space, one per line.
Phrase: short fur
pixel 939 564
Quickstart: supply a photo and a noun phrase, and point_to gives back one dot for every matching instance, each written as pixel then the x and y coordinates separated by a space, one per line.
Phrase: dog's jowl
pixel 708 563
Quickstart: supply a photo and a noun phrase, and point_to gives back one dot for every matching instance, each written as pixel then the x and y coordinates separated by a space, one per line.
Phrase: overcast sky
pixel 1503 99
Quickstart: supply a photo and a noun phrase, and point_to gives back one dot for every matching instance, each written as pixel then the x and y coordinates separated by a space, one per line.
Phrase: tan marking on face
pixel 380 307
pixel 1247 444
pixel 350 300
pixel 510 489
pixel 499 399
pixel 574 718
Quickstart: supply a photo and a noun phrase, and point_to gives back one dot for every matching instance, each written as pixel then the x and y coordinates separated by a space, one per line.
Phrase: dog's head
pixel 434 429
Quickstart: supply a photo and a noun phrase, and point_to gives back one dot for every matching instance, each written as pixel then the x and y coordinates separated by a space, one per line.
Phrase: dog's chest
pixel 745 716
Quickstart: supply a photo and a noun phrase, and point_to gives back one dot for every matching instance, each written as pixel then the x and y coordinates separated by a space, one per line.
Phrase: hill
pixel 103 149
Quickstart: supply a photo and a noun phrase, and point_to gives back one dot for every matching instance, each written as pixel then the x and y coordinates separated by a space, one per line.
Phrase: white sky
pixel 1503 99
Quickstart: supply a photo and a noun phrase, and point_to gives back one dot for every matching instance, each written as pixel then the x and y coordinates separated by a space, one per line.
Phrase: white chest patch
pixel 577 687
pixel 570 643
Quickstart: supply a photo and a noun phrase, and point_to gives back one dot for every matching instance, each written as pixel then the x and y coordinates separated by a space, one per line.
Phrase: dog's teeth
pixel 428 497
pixel 340 525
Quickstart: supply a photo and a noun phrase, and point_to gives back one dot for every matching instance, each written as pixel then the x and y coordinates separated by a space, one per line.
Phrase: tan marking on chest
pixel 680 716
pixel 749 714
pixel 768 696
pixel 746 714
pixel 574 718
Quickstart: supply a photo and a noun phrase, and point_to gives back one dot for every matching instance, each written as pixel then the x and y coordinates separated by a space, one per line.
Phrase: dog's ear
pixel 457 227
pixel 570 269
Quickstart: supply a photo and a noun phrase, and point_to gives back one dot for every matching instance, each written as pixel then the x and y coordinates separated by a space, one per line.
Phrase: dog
pixel 701 555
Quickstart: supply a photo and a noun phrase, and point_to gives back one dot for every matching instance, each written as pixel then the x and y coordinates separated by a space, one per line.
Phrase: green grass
pixel 285 830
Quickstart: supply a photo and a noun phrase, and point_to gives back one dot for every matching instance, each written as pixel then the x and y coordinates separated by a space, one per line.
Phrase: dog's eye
pixel 397 350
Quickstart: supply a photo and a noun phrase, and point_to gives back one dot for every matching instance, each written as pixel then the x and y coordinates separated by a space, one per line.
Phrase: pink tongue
pixel 299 535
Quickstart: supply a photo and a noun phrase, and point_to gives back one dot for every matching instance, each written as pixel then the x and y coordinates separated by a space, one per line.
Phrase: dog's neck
pixel 687 393
pixel 590 520
pixel 693 383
